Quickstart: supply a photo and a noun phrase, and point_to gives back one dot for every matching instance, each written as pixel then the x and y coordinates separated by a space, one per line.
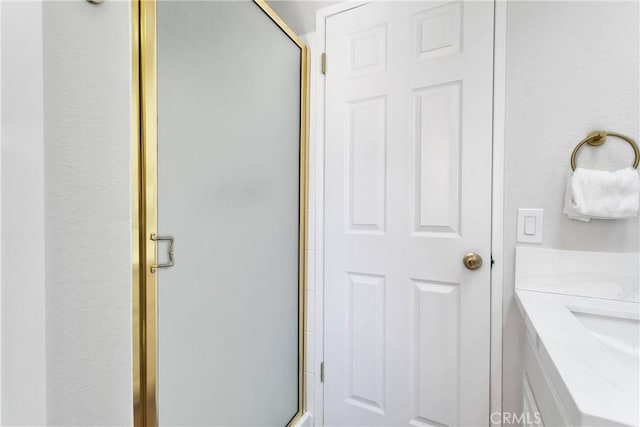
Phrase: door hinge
pixel 492 261
pixel 321 372
pixel 324 63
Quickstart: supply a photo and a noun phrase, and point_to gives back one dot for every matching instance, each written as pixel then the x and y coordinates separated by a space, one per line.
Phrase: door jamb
pixel 497 206
pixel 497 201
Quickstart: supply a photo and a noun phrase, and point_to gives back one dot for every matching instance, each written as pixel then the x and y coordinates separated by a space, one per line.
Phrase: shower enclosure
pixel 219 200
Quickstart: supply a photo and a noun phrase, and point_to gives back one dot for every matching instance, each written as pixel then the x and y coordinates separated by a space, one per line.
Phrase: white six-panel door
pixel 407 195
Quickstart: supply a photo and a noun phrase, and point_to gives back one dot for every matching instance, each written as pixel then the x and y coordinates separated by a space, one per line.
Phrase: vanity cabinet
pixel 541 404
pixel 532 416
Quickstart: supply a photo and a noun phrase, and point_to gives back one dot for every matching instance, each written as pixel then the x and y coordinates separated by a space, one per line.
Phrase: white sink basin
pixel 620 335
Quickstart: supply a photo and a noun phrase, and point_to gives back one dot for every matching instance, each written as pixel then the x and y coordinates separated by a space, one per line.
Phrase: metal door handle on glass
pixel 169 239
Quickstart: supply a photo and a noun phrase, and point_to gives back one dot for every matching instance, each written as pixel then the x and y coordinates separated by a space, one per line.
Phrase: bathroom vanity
pixel 581 358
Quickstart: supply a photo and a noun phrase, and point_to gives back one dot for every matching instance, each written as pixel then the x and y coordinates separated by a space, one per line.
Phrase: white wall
pixel 87 75
pixel 65 179
pixel 299 15
pixel 572 67
pixel 23 217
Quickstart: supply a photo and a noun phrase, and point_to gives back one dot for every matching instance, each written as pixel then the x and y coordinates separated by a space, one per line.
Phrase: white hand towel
pixel 568 206
pixel 602 194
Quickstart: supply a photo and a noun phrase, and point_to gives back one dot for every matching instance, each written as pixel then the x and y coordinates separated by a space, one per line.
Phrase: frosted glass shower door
pixel 229 150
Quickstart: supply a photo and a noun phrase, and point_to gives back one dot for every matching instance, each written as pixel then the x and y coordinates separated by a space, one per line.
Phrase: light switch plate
pixel 530 223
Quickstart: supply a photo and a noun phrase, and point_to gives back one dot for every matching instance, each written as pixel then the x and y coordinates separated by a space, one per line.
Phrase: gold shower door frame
pixel 145 209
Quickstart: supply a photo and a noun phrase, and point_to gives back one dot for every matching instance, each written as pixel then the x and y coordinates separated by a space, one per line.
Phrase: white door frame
pixel 497 204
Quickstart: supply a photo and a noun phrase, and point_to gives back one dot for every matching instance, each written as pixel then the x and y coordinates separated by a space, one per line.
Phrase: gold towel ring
pixel 597 138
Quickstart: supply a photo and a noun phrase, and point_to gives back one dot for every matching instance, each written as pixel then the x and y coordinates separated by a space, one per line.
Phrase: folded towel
pixel 568 206
pixel 602 194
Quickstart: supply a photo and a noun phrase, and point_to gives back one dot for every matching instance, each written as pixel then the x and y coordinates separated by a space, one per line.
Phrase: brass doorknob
pixel 472 261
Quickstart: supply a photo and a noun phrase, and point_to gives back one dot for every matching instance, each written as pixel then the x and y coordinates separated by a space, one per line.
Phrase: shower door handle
pixel 169 239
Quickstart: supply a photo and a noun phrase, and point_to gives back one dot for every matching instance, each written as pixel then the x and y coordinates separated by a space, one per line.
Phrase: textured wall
pixel 87 76
pixel 571 67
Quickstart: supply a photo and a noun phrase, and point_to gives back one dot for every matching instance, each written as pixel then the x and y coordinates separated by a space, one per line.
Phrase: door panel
pixel 229 173
pixel 408 193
